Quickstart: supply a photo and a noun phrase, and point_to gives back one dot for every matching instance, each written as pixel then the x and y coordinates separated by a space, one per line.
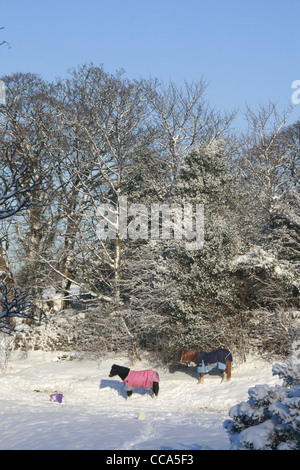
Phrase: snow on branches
pixel 270 419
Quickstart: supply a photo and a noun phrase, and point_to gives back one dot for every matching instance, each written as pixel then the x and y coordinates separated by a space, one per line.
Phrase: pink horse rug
pixel 141 379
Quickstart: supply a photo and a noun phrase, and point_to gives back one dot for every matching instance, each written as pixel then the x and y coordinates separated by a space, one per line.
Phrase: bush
pixel 270 419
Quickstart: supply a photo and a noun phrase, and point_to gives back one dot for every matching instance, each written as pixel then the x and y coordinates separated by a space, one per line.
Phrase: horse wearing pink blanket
pixel 141 378
pixel 136 378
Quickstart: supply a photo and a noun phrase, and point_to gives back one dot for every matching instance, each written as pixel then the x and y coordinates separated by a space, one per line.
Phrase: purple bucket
pixel 56 397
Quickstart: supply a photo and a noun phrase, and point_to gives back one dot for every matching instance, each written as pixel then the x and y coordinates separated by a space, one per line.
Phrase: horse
pixel 220 358
pixel 136 379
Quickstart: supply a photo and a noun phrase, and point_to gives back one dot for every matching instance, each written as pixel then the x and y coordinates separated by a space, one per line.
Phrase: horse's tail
pixel 229 357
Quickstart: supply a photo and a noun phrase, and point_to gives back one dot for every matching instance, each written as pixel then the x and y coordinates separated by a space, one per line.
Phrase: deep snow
pixel 95 414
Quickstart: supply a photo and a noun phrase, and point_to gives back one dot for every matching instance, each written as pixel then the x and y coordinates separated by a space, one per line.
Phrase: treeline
pixel 94 138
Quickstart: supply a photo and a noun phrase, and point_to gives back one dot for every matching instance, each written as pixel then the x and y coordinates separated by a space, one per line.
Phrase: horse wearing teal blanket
pixel 206 361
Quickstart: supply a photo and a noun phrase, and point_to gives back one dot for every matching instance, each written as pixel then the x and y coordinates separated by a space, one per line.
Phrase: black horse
pixel 136 379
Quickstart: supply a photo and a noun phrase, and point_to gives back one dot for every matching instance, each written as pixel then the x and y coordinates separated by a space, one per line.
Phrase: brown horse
pixel 198 357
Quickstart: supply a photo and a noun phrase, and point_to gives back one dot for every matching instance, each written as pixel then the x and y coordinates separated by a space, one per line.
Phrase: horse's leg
pixel 201 378
pixel 155 388
pixel 129 393
pixel 228 371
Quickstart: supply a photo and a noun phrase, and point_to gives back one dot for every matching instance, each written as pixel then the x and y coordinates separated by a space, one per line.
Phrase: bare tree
pixel 27 158
pixel 182 120
pixel 264 160
pixel 102 127
pixel 17 182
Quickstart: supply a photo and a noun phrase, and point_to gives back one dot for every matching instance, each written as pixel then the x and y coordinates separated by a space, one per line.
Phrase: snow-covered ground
pixel 95 414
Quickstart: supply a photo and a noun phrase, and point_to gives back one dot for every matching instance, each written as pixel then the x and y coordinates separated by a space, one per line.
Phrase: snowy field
pixel 95 414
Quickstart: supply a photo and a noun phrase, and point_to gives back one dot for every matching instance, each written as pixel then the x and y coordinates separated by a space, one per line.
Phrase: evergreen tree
pixel 203 290
pixel 270 419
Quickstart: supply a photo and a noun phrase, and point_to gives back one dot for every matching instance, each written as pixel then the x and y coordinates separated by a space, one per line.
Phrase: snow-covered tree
pixel 24 164
pixel 266 298
pixel 26 140
pixel 270 419
pixel 15 302
pixel 183 119
pixel 283 232
pixel 203 289
pixel 263 160
pixel 113 132
pixel 266 276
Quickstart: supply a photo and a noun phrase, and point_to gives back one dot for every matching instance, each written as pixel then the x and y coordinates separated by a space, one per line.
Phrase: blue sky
pixel 248 51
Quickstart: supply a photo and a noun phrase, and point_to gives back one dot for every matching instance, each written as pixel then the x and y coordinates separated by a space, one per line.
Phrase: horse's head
pixel 184 357
pixel 113 370
pixel 188 355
